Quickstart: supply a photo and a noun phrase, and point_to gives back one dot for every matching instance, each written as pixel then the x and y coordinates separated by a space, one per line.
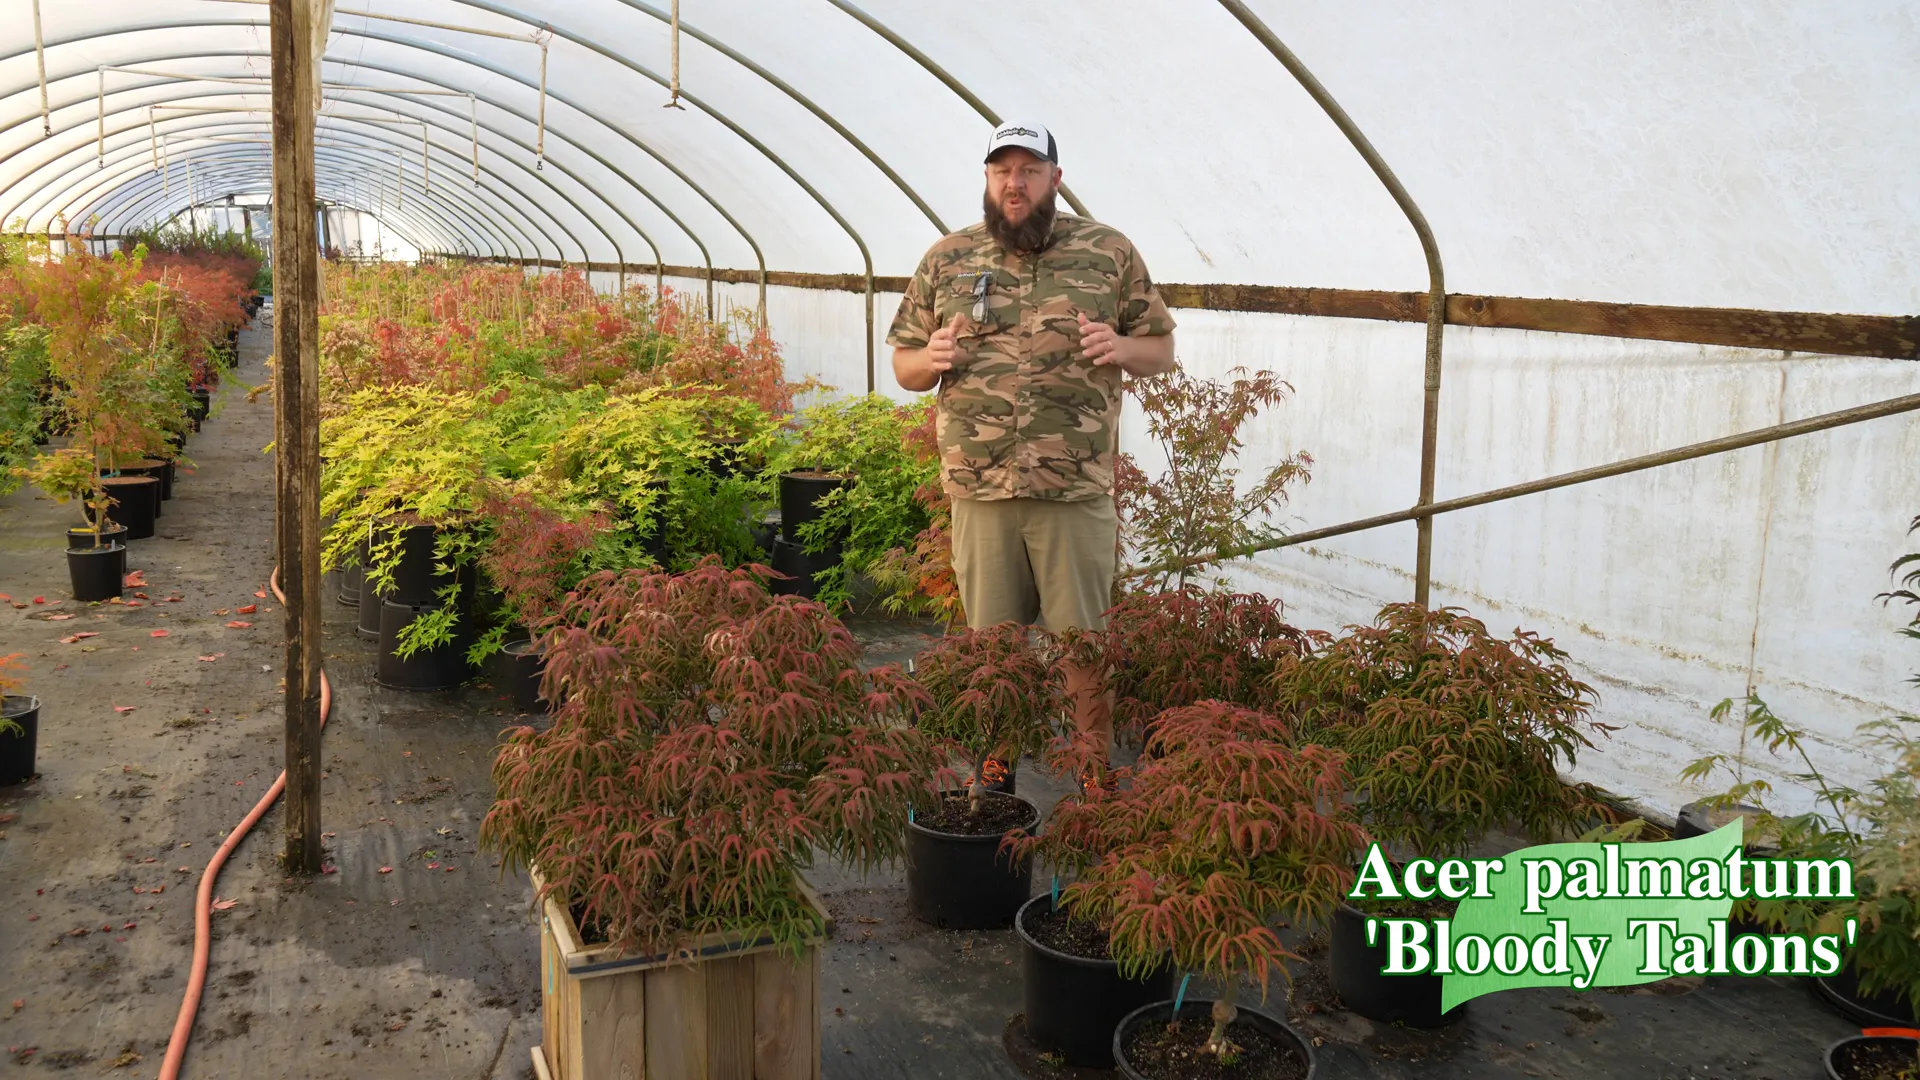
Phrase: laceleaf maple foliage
pixel 993 695
pixel 712 740
pixel 1189 856
pixel 1165 650
pixel 1451 730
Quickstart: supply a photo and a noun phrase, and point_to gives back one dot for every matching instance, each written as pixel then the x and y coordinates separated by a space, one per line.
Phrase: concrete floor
pixel 422 972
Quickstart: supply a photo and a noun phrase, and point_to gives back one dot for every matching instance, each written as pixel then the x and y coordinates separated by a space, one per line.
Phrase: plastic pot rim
pixel 1048 951
pixel 989 839
pixel 7 712
pixel 1193 1003
pixel 1827 1059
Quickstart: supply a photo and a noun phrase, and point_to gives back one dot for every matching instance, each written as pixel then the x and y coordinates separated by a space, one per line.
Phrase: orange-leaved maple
pixel 712 740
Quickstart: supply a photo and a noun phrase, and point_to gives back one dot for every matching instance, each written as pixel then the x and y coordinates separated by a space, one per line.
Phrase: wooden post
pixel 296 333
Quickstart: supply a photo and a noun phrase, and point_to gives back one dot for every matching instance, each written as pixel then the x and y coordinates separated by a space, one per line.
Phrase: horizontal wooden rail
pixel 1891 336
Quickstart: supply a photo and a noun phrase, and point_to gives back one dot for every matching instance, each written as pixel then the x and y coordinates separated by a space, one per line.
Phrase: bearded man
pixel 1025 323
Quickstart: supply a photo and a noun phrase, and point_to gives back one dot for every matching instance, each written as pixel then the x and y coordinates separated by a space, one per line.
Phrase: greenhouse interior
pixel 782 539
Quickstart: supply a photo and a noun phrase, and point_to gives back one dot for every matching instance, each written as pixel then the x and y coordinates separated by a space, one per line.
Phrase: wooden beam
pixel 296 374
pixel 1892 336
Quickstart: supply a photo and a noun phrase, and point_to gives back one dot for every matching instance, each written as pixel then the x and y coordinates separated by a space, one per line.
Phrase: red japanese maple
pixel 1192 855
pixel 994 697
pixel 712 740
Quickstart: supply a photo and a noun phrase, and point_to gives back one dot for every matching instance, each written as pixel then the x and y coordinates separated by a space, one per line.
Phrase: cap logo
pixel 1028 132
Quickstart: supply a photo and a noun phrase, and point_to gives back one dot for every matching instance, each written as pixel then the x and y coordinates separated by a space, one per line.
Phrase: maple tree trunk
pixel 1224 1014
pixel 977 791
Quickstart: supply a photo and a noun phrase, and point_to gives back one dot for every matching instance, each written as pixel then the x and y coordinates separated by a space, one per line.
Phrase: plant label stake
pixel 1181 997
pixel 1056 892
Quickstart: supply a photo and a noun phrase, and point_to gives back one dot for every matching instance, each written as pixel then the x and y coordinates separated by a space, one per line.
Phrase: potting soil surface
pixel 413 955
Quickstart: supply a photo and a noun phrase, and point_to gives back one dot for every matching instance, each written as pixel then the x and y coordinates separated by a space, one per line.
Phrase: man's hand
pixel 943 348
pixel 919 370
pixel 1098 342
pixel 1138 356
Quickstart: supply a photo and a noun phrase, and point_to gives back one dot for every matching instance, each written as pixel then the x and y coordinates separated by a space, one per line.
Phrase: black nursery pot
pixel 519 669
pixel 368 626
pixel 441 668
pixel 82 537
pixel 1862 1057
pixel 1074 1003
pixel 965 882
pixel 1413 1000
pixel 415 581
pixel 136 502
pixel 166 474
pixel 17 748
pixel 202 406
pixel 1200 1013
pixel 1842 992
pixel 800 495
pixel 97 573
pixel 801 568
pixel 157 470
pixel 352 578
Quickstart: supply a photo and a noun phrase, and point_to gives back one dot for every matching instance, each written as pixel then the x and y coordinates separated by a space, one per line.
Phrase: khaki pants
pixel 1035 561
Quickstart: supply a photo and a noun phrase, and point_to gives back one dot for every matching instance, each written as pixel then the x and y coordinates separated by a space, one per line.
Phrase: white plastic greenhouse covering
pixel 1725 153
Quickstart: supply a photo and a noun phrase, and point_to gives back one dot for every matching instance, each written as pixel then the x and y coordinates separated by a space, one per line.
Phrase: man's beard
pixel 1030 234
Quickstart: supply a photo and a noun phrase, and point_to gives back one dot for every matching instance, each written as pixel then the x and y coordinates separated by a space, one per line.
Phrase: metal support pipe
pixel 940 73
pixel 1436 282
pixel 1774 433
pixel 540 147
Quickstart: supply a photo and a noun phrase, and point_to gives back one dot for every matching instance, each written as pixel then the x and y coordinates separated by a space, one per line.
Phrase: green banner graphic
pixel 1588 915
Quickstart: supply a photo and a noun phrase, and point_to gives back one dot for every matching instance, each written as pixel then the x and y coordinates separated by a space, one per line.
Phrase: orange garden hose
pixel 203 902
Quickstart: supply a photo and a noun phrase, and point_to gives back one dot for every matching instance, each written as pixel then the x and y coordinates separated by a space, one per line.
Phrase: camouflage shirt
pixel 1022 414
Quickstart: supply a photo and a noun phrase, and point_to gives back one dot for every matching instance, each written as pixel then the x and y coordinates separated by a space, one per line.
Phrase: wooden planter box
pixel 722 1008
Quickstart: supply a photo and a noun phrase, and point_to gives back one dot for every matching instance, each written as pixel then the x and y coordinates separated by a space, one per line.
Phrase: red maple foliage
pixel 1187 856
pixel 712 739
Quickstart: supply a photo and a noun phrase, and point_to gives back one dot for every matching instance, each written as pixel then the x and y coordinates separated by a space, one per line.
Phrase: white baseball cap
pixel 1027 136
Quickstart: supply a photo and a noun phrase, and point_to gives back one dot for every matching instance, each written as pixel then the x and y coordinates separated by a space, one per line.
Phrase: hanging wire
pixel 675 103
pixel 473 110
pixel 40 57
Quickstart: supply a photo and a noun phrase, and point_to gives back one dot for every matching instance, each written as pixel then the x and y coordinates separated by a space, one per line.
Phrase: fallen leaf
pixel 224 905
pixel 21 604
pixel 60 618
pixel 130 926
pixel 386 869
pixel 81 636
pixel 136 579
pixel 115 600
pixel 261 593
pixel 143 596
pixel 224 611
pixel 39 599
pixel 7 598
pixel 161 633
pixel 238 625
pixel 19 1003
pixel 248 610
pixel 215 656
pixel 433 866
pixel 124 708
pixel 135 603
pixel 157 890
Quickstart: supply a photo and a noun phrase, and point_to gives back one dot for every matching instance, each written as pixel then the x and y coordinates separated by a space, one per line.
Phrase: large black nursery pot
pixel 368 626
pixel 959 882
pixel 443 667
pixel 802 570
pixel 81 536
pixel 800 495
pixel 415 580
pixel 136 500
pixel 518 670
pixel 1841 991
pixel 353 579
pixel 1074 1003
pixel 97 573
pixel 17 747
pixel 202 406
pixel 1355 966
pixel 1870 1055
pixel 158 470
pixel 1199 1014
